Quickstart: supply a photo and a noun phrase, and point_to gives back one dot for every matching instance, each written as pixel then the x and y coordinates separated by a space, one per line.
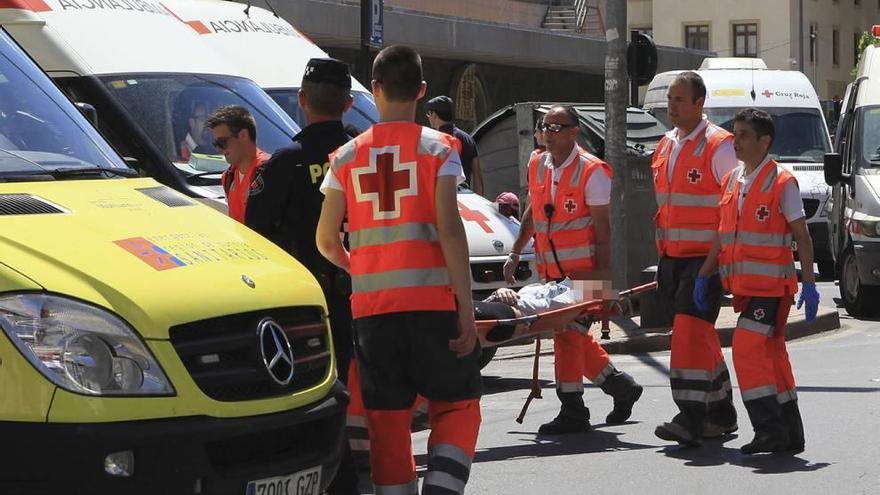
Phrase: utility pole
pixel 364 58
pixel 615 136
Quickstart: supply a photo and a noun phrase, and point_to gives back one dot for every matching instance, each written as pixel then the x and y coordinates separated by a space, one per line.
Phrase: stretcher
pixel 497 332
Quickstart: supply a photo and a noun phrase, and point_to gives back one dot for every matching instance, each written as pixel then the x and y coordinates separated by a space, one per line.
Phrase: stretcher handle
pixel 535 392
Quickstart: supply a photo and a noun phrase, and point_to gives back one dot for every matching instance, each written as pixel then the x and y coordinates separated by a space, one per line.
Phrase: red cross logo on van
pixel 762 213
pixel 694 176
pixel 767 93
pixel 384 182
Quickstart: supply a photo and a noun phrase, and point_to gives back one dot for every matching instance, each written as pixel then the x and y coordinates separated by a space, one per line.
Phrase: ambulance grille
pixel 26 204
pixel 223 354
pixel 166 196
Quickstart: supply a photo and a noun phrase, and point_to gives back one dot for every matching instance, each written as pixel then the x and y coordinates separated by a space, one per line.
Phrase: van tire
pixel 859 300
pixel 827 270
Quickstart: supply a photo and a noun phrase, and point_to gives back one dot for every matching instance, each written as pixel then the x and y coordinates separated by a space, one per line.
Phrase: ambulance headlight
pixel 81 348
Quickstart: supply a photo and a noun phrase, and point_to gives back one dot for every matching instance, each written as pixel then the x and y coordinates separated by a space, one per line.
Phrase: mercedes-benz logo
pixel 498 245
pixel 276 351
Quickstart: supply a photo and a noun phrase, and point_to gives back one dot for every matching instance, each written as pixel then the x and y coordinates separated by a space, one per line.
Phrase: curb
pixel 658 339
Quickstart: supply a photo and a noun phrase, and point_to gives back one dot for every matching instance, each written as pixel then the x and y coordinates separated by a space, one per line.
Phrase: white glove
pixel 510 265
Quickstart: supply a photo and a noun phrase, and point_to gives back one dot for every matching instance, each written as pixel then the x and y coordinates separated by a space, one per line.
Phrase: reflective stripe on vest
pixel 757 268
pixel 681 199
pixel 399 279
pixel 756 239
pixel 579 223
pixel 686 235
pixel 377 236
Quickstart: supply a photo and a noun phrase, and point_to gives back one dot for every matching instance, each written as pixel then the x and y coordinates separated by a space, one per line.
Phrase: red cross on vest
pixel 570 205
pixel 694 176
pixel 470 215
pixel 384 182
pixel 762 213
pixel 767 93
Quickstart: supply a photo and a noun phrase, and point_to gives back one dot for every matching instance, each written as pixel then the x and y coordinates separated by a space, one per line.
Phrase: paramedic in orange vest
pixel 411 296
pixel 570 194
pixel 688 165
pixel 761 213
pixel 234 132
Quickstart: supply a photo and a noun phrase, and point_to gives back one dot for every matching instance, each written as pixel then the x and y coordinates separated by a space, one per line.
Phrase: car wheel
pixel 486 355
pixel 859 300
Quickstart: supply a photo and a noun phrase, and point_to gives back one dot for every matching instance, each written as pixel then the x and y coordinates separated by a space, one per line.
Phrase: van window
pixel 870 136
pixel 800 132
pixel 171 108
pixel 36 133
pixel 361 115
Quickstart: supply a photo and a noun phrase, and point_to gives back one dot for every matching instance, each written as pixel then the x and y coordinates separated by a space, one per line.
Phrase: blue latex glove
pixel 810 295
pixel 701 288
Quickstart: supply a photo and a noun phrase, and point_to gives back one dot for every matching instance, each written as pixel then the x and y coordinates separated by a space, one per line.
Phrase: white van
pixel 152 81
pixel 854 172
pixel 253 40
pixel 801 133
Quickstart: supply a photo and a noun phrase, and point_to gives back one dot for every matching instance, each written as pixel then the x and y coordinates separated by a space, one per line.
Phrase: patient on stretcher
pixel 533 299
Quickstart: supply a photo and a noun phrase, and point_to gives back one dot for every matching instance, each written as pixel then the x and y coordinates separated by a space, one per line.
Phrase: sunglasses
pixel 554 127
pixel 221 142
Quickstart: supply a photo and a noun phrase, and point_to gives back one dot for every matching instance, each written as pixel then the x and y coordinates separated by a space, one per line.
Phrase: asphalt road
pixel 838 375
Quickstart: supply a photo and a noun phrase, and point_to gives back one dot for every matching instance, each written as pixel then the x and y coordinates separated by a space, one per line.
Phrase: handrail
pixel 582 9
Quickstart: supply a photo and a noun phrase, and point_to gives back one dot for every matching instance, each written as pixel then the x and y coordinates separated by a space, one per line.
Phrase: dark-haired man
pixel 689 164
pixel 441 114
pixel 234 131
pixel 411 296
pixel 761 213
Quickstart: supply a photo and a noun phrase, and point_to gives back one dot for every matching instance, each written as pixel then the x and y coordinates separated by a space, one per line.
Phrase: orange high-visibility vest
pixel 570 229
pixel 389 174
pixel 756 256
pixel 687 207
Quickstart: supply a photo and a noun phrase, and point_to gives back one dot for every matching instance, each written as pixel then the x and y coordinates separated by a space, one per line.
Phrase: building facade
pixel 818 37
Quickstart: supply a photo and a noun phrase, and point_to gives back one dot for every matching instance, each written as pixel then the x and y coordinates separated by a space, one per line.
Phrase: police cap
pixel 328 70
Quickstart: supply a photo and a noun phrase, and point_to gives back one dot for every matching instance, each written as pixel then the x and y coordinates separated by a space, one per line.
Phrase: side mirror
pixel 88 112
pixel 833 169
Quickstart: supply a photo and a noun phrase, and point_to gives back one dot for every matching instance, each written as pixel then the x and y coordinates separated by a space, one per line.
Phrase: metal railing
pixel 582 9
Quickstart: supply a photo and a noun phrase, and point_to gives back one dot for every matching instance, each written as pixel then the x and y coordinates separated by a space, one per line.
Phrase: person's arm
pixel 329 225
pixel 801 236
pixel 453 242
pixel 526 231
pixel 477 176
pixel 710 266
pixel 724 160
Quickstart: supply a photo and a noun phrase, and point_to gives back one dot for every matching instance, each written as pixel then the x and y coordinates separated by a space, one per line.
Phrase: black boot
pixel 721 418
pixel 625 391
pixel 771 433
pixel 791 415
pixel 686 427
pixel 574 417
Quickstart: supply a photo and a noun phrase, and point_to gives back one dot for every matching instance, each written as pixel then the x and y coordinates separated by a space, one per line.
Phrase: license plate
pixel 305 482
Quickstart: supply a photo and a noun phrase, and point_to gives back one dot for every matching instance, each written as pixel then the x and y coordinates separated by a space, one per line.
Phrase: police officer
pixel 286 210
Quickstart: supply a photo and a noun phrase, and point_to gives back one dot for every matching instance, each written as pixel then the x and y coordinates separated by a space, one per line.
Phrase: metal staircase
pixel 577 16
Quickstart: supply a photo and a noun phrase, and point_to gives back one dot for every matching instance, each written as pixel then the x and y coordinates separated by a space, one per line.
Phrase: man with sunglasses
pixel 441 114
pixel 570 196
pixel 234 131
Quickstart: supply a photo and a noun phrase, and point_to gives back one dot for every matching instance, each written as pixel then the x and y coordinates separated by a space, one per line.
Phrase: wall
pixel 499 11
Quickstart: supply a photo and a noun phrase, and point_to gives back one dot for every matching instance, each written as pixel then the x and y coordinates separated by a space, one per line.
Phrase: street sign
pixel 377 23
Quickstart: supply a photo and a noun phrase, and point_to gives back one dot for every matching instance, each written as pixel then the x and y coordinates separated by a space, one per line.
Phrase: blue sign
pixel 377 23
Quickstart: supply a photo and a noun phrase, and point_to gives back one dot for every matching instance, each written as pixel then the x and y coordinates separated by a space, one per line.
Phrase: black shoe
pixel 674 432
pixel 623 405
pixel 562 425
pixel 766 442
pixel 713 430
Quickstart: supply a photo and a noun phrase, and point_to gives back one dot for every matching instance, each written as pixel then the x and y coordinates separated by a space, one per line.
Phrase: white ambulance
pixel 854 171
pixel 274 54
pixel 151 80
pixel 801 133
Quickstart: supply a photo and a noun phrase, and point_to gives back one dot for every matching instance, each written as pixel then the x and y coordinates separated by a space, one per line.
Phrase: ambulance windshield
pixel 800 132
pixel 39 129
pixel 172 108
pixel 360 116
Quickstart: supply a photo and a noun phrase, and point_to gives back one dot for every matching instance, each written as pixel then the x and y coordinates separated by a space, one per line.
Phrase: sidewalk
pixel 628 338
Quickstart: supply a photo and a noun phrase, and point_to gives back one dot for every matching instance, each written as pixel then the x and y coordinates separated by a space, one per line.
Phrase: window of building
pixel 835 46
pixel 745 40
pixel 696 37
